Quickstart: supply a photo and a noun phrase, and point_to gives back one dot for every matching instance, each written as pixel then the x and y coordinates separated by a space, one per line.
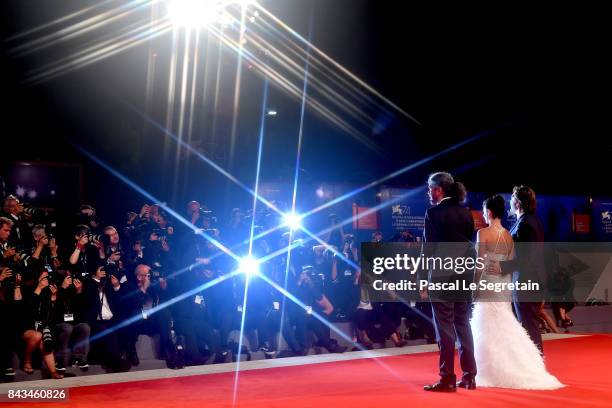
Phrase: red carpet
pixel 584 364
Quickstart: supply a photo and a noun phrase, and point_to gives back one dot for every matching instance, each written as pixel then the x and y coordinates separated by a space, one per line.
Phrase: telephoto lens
pixel 94 239
pixel 47 339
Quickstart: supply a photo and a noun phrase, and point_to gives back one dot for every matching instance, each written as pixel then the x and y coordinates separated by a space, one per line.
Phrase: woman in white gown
pixel 505 355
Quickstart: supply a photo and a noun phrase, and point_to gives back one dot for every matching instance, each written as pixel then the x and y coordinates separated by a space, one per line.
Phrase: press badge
pixel 276 305
pixel 145 311
pixel 68 317
pixel 198 299
pixel 239 308
pixel 348 272
pixel 308 309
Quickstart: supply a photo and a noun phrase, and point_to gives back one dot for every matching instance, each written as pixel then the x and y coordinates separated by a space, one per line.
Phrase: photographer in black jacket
pixel 14 210
pixel 193 316
pixel 10 299
pixel 37 320
pixel 45 249
pixel 301 322
pixel 101 297
pixel 7 253
pixel 68 323
pixel 84 258
pixel 139 301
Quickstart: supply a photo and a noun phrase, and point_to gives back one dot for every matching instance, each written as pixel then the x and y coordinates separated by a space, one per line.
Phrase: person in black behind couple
pixel 479 345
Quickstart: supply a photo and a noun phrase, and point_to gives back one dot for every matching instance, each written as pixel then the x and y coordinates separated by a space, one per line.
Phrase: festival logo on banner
pixel 602 218
pixel 606 221
pixel 402 218
pixel 405 212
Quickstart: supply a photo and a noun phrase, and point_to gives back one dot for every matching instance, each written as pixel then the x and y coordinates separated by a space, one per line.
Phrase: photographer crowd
pixel 81 293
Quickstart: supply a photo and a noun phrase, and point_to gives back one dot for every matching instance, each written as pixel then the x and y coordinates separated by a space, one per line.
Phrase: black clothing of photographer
pixel 84 258
pixel 301 323
pixel 192 316
pixel 61 309
pixel 10 312
pixel 345 279
pixel 101 297
pixel 139 303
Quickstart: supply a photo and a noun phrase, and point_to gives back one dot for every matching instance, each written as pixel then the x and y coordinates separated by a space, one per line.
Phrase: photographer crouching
pixel 140 301
pixel 37 321
pixel 300 322
pixel 68 323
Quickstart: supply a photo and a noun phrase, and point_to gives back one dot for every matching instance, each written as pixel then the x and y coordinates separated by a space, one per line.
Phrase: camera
pixel 47 340
pixel 52 276
pixel 208 216
pixel 317 280
pixel 95 239
pixel 161 233
pixel 113 270
pixel 34 212
pixel 156 274
pixel 22 257
pixel 17 263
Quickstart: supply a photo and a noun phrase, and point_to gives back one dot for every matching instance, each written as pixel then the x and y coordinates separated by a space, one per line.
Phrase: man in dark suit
pixel 101 296
pixel 528 263
pixel 449 222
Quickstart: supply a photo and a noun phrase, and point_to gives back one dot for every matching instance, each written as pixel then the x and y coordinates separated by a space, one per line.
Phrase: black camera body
pixel 156 274
pixel 113 270
pixel 209 215
pixel 160 232
pixel 34 212
pixel 94 239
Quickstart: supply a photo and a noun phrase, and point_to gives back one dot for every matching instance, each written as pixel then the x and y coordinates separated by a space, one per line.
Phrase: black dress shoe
pixel 441 387
pixel 467 384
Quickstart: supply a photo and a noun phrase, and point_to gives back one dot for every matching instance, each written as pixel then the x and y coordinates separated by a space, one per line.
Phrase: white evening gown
pixel 505 355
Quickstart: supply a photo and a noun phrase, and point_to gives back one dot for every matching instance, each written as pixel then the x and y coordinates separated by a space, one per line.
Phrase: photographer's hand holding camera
pixel 88 250
pixel 45 250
